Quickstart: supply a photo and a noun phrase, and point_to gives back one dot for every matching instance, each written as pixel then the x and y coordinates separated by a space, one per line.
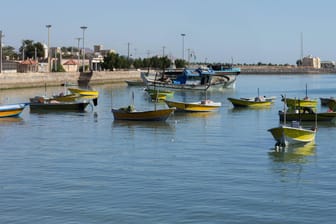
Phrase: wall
pixel 23 80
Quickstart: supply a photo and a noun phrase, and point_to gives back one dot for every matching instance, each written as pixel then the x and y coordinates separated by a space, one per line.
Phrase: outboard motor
pixel 95 101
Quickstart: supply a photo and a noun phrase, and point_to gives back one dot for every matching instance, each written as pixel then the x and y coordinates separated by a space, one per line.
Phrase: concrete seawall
pixel 284 70
pixel 25 80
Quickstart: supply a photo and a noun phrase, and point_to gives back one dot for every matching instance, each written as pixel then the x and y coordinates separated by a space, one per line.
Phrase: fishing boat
pixel 285 135
pixel 332 105
pixel 156 94
pixel 297 102
pixel 307 114
pixel 294 134
pixel 135 82
pixel 67 97
pixel 200 106
pixel 85 92
pixel 187 79
pixel 325 100
pixel 40 103
pixel 129 113
pixel 304 102
pixel 12 110
pixel 257 102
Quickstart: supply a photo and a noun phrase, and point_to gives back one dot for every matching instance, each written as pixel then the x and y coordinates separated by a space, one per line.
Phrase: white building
pixel 311 61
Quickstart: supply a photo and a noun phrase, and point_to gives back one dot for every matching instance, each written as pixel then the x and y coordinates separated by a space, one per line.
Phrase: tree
pixel 8 51
pixel 28 46
pixel 180 63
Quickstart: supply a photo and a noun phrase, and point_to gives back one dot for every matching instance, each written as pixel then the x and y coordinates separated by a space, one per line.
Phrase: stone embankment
pixel 25 80
pixel 284 70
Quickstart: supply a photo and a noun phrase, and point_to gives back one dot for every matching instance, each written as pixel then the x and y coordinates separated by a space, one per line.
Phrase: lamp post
pixel 48 27
pixel 183 35
pixel 78 39
pixel 83 52
pixel 1 51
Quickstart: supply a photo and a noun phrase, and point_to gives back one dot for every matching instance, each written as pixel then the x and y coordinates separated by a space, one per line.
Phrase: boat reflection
pixel 293 154
pixel 9 120
pixel 142 124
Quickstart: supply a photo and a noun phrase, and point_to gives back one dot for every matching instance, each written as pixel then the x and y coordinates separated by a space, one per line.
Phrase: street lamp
pixel 78 39
pixel 83 52
pixel 1 51
pixel 48 27
pixel 183 35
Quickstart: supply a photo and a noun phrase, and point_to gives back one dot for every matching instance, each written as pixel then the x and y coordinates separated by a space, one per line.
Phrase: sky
pixel 238 31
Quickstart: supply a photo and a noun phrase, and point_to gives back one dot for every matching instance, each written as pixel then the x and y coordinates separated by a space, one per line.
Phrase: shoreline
pixel 285 70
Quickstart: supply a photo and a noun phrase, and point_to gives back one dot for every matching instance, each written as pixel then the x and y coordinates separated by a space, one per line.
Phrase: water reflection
pixel 143 124
pixel 294 154
pixel 289 163
pixel 10 120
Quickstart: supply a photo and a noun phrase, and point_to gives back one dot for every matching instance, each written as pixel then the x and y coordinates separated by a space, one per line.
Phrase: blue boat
pixel 186 79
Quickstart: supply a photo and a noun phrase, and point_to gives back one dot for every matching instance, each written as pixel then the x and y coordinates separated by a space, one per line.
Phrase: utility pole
pixel 78 39
pixel 48 27
pixel 1 50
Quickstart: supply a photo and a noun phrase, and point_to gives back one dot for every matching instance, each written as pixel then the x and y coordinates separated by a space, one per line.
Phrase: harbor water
pixel 221 167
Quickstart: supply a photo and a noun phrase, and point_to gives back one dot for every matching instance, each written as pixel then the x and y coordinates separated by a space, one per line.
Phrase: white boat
pixel 187 79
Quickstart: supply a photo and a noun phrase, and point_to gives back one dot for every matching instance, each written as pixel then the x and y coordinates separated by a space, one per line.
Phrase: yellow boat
pixel 67 98
pixel 84 92
pixel 256 102
pixel 201 106
pixel 287 135
pixel 130 114
pixel 305 102
pixel 12 110
pixel 158 96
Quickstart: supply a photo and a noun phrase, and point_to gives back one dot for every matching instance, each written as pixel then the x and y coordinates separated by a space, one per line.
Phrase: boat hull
pixel 250 103
pixel 154 115
pixel 286 135
pixel 74 106
pixel 193 107
pixel 294 103
pixel 84 92
pixel 324 116
pixel 12 110
pixel 217 82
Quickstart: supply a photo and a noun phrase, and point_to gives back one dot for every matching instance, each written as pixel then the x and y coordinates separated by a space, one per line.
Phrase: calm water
pixel 194 168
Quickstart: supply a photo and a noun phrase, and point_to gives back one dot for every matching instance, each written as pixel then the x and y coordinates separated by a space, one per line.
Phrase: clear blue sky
pixel 247 31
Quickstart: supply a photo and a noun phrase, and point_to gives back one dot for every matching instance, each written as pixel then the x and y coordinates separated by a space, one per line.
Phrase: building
pixel 28 65
pixel 328 64
pixel 70 66
pixel 310 61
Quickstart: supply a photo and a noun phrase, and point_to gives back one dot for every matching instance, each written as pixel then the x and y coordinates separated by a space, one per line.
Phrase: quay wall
pixel 26 80
pixel 284 70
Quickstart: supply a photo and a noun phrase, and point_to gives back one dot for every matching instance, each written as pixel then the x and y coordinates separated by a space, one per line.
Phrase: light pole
pixel 83 52
pixel 1 51
pixel 48 27
pixel 183 35
pixel 78 39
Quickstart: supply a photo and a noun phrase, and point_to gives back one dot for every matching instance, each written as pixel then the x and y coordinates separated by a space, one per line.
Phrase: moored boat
pixel 187 79
pixel 12 110
pixel 84 92
pixel 305 102
pixel 325 100
pixel 307 114
pixel 285 135
pixel 200 106
pixel 257 102
pixel 40 103
pixel 130 114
